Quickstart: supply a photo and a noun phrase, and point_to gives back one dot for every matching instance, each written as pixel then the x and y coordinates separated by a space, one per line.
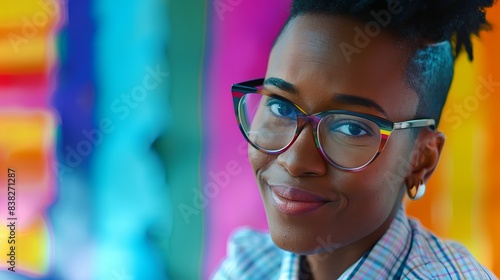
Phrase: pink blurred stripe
pixel 238 48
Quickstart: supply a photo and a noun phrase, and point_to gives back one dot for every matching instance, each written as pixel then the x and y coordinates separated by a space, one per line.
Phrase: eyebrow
pixel 356 100
pixel 281 84
pixel 340 97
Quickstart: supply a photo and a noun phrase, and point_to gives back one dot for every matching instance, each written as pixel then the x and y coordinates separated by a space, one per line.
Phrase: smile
pixel 293 201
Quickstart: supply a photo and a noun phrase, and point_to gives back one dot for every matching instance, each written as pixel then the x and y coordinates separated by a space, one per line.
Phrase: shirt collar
pixel 389 255
pixel 290 266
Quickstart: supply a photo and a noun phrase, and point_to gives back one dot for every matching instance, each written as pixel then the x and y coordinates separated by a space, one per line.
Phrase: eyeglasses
pixel 347 140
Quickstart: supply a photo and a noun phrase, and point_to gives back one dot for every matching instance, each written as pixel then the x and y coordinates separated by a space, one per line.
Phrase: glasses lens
pixel 269 123
pixel 349 141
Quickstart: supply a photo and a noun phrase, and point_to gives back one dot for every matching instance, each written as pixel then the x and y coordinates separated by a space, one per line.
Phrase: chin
pixel 302 241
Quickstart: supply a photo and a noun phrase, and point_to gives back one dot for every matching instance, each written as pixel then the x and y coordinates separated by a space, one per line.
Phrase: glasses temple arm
pixel 415 123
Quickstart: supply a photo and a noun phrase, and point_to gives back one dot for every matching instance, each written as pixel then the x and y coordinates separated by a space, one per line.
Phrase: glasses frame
pixel 386 126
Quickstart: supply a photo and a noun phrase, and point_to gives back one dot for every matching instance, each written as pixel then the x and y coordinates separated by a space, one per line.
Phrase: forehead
pixel 325 55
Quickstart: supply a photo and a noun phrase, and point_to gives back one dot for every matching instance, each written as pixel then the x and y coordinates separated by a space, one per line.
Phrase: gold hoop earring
pixel 416 192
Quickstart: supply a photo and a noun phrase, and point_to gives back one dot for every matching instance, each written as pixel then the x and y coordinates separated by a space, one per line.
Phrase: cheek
pixel 386 175
pixel 373 200
pixel 258 159
pixel 395 162
pixel 370 199
pixel 374 192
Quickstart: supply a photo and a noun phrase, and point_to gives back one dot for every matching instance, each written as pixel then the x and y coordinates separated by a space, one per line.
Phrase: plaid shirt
pixel 405 251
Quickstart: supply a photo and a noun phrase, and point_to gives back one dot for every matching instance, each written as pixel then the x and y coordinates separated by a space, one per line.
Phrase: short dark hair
pixel 446 27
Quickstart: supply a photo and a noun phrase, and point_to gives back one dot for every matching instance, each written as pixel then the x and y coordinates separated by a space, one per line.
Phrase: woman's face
pixel 311 206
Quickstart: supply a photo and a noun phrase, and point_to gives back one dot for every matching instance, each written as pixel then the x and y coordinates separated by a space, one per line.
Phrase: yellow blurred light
pixel 24 57
pixel 42 14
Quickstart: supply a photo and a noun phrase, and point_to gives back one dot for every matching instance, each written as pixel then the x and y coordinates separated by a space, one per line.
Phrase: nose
pixel 303 158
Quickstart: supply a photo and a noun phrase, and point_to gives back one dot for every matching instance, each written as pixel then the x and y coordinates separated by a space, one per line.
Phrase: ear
pixel 425 156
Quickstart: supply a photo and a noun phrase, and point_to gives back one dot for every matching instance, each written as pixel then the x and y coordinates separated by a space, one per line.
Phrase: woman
pixel 341 128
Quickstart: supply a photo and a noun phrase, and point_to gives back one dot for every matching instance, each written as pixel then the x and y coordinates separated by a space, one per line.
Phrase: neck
pixel 331 264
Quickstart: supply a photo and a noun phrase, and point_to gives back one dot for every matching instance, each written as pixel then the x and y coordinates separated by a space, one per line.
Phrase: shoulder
pixel 250 255
pixel 434 258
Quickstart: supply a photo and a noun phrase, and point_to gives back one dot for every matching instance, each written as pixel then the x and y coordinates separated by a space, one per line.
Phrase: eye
pixel 281 108
pixel 351 129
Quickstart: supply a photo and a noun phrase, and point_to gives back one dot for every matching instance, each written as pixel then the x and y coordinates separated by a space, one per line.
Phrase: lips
pixel 293 201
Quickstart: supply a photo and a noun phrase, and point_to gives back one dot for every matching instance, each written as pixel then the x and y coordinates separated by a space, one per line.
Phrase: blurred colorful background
pixel 116 123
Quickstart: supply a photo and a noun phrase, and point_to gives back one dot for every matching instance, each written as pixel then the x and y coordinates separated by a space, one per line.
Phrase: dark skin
pixel 361 205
